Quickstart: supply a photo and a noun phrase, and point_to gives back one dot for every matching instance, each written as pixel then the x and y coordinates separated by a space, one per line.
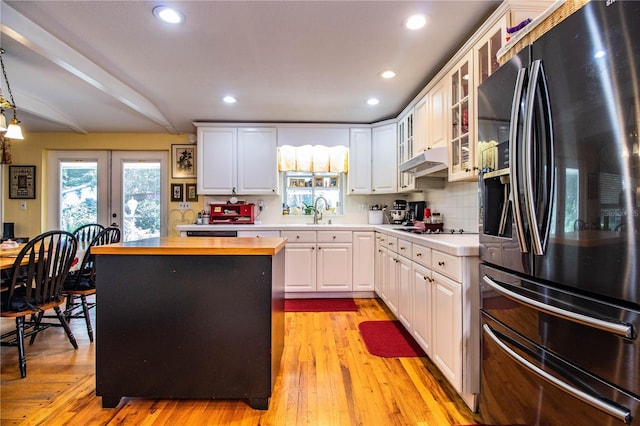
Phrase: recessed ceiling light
pixel 229 99
pixel 416 22
pixel 387 74
pixel 373 101
pixel 168 15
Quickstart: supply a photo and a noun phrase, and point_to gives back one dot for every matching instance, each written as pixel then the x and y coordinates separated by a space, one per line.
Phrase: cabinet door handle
pixel 334 237
pixel 440 263
pixel 418 254
pixel 402 248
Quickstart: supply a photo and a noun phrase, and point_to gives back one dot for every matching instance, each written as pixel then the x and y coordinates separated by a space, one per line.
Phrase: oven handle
pixel 621 413
pixel 617 328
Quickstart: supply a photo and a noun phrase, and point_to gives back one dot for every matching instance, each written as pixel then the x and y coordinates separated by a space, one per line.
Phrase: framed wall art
pixel 191 193
pixel 183 161
pixel 22 182
pixel 177 192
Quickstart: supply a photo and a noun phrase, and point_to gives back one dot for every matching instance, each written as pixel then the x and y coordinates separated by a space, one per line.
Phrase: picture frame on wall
pixel 177 192
pixel 183 161
pixel 191 192
pixel 22 182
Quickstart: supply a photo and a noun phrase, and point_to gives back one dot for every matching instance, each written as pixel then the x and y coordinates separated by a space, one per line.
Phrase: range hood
pixel 427 162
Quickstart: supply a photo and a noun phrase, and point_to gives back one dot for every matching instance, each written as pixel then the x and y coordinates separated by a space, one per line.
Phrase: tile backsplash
pixel 458 205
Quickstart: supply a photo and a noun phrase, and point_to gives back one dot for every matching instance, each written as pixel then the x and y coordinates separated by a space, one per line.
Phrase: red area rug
pixel 320 305
pixel 389 339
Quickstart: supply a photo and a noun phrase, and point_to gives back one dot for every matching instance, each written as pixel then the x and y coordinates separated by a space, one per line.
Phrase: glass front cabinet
pixel 406 181
pixel 462 164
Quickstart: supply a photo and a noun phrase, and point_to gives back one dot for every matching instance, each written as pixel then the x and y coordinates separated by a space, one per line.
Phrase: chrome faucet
pixel 315 209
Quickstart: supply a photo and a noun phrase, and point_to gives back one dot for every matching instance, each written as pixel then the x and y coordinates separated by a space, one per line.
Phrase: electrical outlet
pixel 23 205
pixel 260 205
pixel 184 206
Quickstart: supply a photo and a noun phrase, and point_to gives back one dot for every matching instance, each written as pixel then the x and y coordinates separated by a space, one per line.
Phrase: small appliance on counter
pixel 232 213
pixel 399 212
pixel 416 212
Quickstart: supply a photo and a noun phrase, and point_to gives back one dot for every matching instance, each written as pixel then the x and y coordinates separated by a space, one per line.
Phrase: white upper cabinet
pixel 360 161
pixel 406 181
pixel 217 159
pixel 240 158
pixel 384 163
pixel 257 161
pixel 437 116
pixel 462 164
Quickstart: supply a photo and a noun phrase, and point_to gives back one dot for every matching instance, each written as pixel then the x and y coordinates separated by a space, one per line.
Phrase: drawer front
pixel 299 236
pixel 421 255
pixel 391 243
pixel 450 266
pixel 404 248
pixel 334 236
pixel 259 234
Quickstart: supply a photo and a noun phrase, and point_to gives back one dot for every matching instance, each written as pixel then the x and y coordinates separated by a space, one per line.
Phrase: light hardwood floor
pixel 327 378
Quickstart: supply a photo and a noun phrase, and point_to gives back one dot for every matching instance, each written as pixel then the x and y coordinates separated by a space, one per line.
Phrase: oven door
pixel 522 383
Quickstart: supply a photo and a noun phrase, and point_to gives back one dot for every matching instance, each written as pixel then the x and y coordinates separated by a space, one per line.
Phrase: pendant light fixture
pixel 13 130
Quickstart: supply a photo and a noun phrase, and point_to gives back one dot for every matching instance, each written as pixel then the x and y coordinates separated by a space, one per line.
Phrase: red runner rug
pixel 389 339
pixel 320 305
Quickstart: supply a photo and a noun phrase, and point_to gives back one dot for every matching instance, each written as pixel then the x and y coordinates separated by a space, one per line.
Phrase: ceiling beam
pixel 35 38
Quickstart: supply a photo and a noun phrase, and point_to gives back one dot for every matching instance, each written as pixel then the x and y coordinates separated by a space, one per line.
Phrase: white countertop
pixel 457 245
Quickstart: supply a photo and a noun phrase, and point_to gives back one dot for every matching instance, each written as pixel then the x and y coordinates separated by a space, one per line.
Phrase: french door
pixel 121 188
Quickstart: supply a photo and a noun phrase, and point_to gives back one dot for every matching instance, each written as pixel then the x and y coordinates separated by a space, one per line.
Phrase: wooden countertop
pixel 195 246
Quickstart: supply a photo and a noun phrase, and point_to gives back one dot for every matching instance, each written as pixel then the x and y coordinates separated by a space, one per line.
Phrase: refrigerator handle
pixel 537 80
pixel 611 326
pixel 619 412
pixel 513 158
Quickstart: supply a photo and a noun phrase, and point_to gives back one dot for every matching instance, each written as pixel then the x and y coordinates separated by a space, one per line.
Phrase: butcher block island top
pixel 195 246
pixel 190 318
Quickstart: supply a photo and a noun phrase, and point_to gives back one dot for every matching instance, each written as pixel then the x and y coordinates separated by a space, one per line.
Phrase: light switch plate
pixel 184 206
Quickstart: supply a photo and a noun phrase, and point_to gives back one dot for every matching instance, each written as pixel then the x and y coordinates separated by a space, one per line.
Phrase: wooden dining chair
pixel 81 283
pixel 35 286
pixel 86 233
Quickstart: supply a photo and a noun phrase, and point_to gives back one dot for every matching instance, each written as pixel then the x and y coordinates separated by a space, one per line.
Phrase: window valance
pixel 313 158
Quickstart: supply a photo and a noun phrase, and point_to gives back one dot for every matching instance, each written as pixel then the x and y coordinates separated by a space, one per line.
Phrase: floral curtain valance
pixel 316 158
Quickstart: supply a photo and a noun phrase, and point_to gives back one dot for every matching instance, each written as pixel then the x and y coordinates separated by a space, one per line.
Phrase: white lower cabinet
pixel 364 247
pixel 447 328
pixel 316 262
pixel 405 293
pixel 334 267
pixel 422 306
pixel 423 287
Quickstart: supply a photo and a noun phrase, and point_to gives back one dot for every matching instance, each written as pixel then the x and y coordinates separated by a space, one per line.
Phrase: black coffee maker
pixel 416 211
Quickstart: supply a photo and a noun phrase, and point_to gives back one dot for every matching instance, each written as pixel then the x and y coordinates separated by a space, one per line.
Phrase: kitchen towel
pixel 320 305
pixel 389 339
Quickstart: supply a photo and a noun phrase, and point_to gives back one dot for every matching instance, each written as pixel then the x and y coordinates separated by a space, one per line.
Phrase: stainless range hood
pixel 430 161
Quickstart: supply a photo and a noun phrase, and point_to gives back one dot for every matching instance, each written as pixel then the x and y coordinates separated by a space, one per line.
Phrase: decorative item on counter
pixel 521 25
pixel 233 199
pixel 205 217
pixel 199 220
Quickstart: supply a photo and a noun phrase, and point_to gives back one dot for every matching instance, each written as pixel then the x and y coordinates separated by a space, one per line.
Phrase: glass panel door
pixel 138 194
pixel 129 191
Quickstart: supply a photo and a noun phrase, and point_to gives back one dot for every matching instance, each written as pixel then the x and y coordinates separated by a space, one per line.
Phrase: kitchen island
pixel 189 318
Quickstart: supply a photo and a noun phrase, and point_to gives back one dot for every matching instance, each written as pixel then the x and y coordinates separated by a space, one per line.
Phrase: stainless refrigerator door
pixel 522 383
pixel 599 337
pixel 592 66
pixel 502 241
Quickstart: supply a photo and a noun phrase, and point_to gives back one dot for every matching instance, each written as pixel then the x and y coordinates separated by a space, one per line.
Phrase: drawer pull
pixel 440 263
pixel 418 254
pixel 334 237
pixel 402 248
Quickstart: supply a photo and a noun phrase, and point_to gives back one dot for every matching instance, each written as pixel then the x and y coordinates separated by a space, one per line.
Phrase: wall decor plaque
pixel 22 182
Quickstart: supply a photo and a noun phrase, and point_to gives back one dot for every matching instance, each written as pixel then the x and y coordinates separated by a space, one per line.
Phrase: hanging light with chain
pixel 13 130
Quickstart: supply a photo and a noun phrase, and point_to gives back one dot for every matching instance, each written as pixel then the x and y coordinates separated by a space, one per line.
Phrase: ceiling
pixel 110 66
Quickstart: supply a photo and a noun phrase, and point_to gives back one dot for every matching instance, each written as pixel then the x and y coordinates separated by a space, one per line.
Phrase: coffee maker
pixel 399 211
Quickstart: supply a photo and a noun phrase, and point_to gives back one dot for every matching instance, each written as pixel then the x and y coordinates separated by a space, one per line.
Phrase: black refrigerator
pixel 560 225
